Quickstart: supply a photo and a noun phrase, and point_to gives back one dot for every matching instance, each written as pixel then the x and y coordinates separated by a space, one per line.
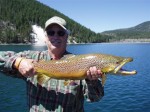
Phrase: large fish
pixel 75 66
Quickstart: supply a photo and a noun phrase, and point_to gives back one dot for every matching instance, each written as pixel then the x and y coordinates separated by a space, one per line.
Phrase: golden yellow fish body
pixel 76 66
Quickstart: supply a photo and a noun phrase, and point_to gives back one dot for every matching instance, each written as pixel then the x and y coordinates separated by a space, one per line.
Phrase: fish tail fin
pixel 41 78
pixel 103 79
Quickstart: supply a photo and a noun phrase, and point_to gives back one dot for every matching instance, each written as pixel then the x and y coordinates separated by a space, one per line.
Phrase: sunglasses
pixel 52 33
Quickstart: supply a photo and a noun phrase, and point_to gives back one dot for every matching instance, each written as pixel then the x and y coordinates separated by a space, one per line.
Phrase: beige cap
pixel 56 20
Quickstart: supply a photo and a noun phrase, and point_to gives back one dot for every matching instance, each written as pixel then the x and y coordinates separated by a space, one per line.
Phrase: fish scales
pixel 75 67
pixel 70 66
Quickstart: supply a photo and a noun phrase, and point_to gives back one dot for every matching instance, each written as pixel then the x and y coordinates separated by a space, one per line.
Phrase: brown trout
pixel 75 67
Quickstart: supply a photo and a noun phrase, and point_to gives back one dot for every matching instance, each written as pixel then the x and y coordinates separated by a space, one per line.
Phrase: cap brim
pixel 57 24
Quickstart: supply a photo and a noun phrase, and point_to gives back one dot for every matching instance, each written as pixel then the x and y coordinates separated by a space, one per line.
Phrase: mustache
pixel 56 41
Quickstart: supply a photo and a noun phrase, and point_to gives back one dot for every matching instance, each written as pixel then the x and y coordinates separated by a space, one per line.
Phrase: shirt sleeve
pixel 93 90
pixel 7 59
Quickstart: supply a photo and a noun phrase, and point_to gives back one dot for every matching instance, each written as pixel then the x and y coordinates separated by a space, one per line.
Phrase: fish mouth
pixel 120 70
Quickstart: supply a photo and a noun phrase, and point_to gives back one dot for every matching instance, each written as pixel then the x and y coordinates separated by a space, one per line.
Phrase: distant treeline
pixel 17 16
pixel 141 31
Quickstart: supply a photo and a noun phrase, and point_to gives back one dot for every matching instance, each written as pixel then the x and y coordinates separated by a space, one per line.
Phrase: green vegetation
pixel 141 31
pixel 17 16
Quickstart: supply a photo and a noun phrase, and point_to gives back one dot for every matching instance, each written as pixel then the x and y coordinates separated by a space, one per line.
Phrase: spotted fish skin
pixel 75 66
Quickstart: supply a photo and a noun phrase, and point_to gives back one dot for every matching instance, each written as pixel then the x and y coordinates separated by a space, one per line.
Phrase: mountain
pixel 17 16
pixel 145 27
pixel 141 31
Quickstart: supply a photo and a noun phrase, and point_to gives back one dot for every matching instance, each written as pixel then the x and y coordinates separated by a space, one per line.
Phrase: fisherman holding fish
pixel 59 95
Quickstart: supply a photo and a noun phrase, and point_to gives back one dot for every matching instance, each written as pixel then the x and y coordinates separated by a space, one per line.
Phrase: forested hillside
pixel 141 31
pixel 17 16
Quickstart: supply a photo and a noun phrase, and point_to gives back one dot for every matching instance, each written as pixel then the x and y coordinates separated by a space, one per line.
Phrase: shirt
pixel 52 96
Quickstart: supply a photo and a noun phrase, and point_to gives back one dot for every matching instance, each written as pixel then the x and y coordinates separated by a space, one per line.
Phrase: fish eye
pixel 117 62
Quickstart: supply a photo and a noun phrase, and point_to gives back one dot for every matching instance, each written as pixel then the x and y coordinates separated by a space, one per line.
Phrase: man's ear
pixel 68 32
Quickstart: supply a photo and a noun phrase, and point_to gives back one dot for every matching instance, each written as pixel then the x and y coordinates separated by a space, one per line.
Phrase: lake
pixel 122 93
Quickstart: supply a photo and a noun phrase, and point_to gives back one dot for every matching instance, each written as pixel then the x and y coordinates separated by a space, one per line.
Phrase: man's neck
pixel 56 55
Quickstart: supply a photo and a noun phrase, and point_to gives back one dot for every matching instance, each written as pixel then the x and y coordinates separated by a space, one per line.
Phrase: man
pixel 52 95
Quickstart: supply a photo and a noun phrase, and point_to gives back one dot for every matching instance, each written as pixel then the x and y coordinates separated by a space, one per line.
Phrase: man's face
pixel 56 37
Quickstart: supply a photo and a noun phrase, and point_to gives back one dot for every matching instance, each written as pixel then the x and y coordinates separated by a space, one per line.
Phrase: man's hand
pixel 93 73
pixel 25 67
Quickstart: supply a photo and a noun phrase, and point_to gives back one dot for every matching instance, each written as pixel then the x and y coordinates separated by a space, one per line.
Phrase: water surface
pixel 122 94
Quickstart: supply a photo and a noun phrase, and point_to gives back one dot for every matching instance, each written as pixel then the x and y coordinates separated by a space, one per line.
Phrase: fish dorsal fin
pixel 41 60
pixel 41 78
pixel 68 56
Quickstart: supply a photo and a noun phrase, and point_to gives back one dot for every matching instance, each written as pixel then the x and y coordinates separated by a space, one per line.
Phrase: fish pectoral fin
pixel 103 79
pixel 41 78
pixel 66 82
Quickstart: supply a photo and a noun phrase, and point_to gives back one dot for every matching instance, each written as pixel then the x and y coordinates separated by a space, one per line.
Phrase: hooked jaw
pixel 119 70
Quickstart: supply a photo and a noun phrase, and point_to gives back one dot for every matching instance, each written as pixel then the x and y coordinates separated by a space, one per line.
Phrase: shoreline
pixel 113 42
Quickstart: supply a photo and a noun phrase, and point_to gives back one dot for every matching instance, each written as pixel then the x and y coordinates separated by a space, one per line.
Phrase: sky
pixel 103 15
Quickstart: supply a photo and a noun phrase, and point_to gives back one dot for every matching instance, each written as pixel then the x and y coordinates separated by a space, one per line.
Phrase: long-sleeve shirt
pixel 52 96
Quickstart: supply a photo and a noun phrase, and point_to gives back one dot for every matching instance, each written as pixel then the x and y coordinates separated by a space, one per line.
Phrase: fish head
pixel 115 66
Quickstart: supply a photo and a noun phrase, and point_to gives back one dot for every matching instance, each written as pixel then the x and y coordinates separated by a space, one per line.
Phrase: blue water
pixel 122 93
